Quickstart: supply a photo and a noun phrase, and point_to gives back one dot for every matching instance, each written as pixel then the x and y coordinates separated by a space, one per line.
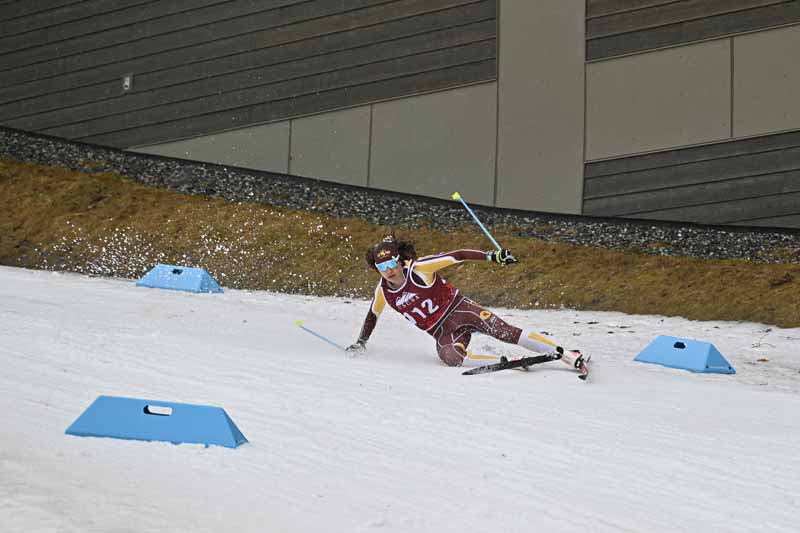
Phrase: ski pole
pixel 457 196
pixel 324 338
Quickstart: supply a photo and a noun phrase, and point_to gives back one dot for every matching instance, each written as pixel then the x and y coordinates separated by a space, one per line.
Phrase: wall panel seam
pixel 369 146
pixel 497 105
pixel 732 82
pixel 289 156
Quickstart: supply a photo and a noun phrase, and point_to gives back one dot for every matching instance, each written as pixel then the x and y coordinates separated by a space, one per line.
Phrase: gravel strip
pixel 236 184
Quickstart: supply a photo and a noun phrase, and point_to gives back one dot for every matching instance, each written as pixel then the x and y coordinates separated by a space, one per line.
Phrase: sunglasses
pixel 386 265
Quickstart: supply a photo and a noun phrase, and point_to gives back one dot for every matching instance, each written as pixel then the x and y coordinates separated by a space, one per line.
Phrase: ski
pixel 524 362
pixel 506 364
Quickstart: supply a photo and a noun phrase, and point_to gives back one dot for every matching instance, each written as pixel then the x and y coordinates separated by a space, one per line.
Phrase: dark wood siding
pixel 752 182
pixel 201 66
pixel 618 27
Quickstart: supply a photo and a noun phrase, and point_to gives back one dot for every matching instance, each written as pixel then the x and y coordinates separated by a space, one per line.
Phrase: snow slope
pixel 390 441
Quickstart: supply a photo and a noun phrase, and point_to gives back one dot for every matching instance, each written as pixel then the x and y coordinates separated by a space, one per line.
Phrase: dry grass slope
pixel 104 224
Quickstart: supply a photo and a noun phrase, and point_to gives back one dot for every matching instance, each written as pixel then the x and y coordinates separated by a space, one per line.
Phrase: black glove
pixel 357 347
pixel 501 256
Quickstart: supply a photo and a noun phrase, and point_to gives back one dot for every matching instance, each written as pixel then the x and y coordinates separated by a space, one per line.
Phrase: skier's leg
pixel 452 354
pixel 468 313
pixel 453 335
pixel 535 342
pixel 451 342
pixel 490 324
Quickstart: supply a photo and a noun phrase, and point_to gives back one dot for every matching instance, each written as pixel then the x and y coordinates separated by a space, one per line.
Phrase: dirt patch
pixel 108 225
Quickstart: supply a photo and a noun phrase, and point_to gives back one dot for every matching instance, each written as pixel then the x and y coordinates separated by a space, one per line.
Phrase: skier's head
pixel 389 253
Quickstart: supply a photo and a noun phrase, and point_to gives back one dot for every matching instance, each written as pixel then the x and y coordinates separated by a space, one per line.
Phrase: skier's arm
pixel 371 320
pixel 366 329
pixel 432 263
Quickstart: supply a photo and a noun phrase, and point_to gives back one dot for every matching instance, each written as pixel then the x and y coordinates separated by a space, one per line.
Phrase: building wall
pixel 754 181
pixel 516 143
pixel 766 81
pixel 211 65
pixel 541 105
pixel 622 27
pixel 673 97
pixel 333 146
pixel 429 145
pixel 425 144
pixel 261 147
pixel 635 108
pixel 693 131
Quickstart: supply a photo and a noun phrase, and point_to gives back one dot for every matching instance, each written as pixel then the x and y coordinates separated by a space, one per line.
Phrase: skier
pixel 413 288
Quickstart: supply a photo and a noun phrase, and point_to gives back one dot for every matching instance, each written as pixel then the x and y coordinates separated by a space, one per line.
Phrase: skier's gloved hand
pixel 502 256
pixel 358 347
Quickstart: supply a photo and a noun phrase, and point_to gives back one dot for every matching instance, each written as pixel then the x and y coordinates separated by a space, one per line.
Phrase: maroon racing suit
pixel 435 306
pixel 455 330
pixel 421 303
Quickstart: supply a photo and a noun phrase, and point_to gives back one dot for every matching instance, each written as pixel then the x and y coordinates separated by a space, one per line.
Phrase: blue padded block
pixel 179 278
pixel 136 419
pixel 686 354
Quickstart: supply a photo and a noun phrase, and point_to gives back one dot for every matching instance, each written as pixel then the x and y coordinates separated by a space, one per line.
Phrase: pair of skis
pixel 504 364
pixel 524 363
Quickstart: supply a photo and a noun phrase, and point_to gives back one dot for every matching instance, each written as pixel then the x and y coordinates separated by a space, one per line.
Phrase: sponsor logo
pixel 406 298
pixel 384 253
pixel 485 315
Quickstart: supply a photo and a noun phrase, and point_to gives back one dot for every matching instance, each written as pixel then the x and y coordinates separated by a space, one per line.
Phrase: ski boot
pixel 576 360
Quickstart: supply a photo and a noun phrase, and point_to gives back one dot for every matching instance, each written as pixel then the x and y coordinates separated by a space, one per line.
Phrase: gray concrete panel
pixel 332 146
pixel 436 144
pixel 766 82
pixel 264 147
pixel 658 100
pixel 541 105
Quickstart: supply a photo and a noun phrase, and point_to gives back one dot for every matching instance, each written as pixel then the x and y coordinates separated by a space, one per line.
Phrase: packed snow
pixel 391 440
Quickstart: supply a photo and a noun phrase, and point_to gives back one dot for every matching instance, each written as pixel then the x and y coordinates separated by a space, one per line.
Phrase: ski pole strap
pixel 321 337
pixel 457 196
